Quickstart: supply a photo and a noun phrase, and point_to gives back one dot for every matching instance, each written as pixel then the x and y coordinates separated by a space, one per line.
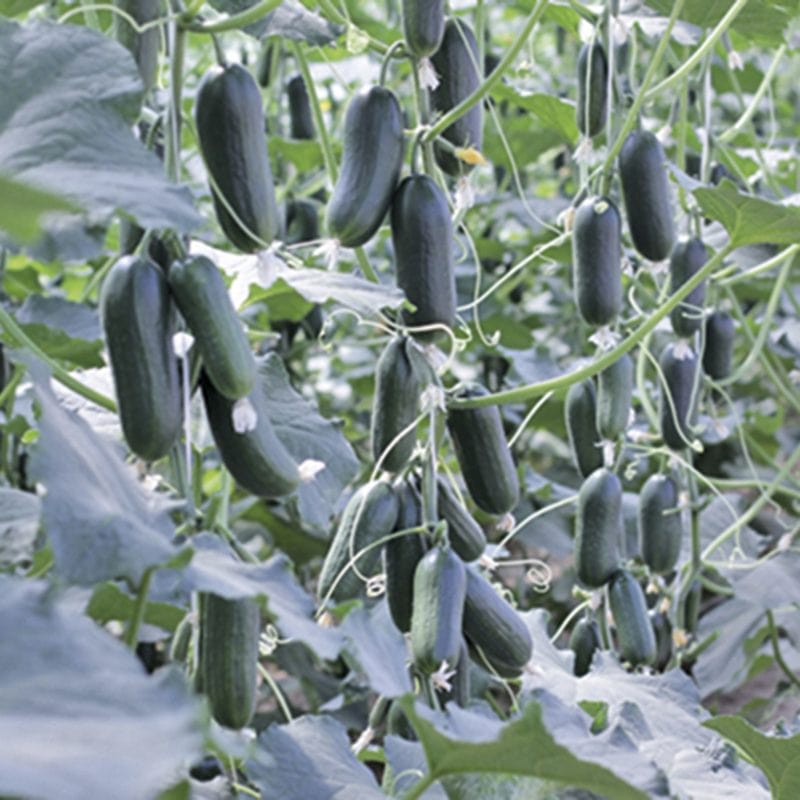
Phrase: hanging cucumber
pixel 614 392
pixel 302 221
pixel 466 536
pixel 264 62
pixel 662 628
pixel 580 412
pixel 592 106
pixel 584 641
pixel 143 45
pixel 660 524
pixel 687 258
pixel 423 26
pixel 720 332
pixel 598 528
pixel 301 123
pixel 679 380
pixel 636 641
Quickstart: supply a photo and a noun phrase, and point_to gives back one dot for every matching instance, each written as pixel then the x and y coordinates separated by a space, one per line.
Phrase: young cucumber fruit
pixel 614 392
pixel 599 528
pixel 645 190
pixel 373 156
pixel 584 642
pixel 301 123
pixel 203 300
pixel 145 45
pixel 687 258
pixel 302 221
pixel 230 129
pixel 596 254
pixel 662 628
pixel 580 413
pixel 483 454
pixel 636 641
pixel 423 26
pixel 720 332
pixel 466 536
pixel 660 524
pixel 677 393
pixel 592 107
pixel 137 316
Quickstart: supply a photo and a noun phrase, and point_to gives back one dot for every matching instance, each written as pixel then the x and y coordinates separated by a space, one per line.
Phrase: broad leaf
pixel 553 112
pixel 111 602
pixel 290 20
pixel 22 207
pixel 19 522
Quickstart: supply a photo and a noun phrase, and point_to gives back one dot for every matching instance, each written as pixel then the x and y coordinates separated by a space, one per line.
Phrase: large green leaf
pixel 290 20
pixel 554 113
pixel 19 522
pixel 22 208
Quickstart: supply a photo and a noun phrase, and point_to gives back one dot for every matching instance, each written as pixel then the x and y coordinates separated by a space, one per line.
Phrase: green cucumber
pixel 458 66
pixel 264 62
pixel 230 130
pixel 422 235
pixel 301 123
pixel 373 155
pixel 395 405
pixel 596 255
pixel 483 454
pixel 302 221
pixel 440 584
pixel 720 332
pixel 592 106
pixel 580 413
pixel 636 641
pixel 679 380
pixel 143 45
pixel 645 190
pixel 690 606
pixel 202 298
pixel 660 524
pixel 662 628
pixel 466 536
pixel 228 657
pixel 423 26
pixel 137 316
pixel 687 258
pixel 584 641
pixel 599 528
pixel 614 392
pixel 370 514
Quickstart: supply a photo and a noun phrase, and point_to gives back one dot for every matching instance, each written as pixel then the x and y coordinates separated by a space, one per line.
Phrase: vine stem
pixel 175 93
pixel 234 21
pixel 420 787
pixel 137 617
pixel 773 635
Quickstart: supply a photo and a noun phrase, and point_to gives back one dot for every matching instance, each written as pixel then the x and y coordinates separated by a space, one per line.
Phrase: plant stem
pixel 420 787
pixel 173 154
pixel 234 21
pixel 773 635
pixel 132 633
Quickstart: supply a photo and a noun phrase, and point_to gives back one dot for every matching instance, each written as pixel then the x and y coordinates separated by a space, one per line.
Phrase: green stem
pixel 137 617
pixel 773 635
pixel 420 787
pixel 173 155
pixel 234 22
pixel 366 267
pixel 759 269
pixel 390 54
pixel 695 531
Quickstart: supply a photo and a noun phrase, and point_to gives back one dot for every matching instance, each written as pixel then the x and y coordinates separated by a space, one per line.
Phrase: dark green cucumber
pixel 144 46
pixel 458 66
pixel 636 641
pixel 583 642
pixel 300 120
pixel 679 379
pixel 203 300
pixel 423 26
pixel 137 316
pixel 302 221
pixel 645 190
pixel 230 129
pixel 596 255
pixel 466 536
pixel 690 606
pixel 228 658
pixel 422 235
pixel 370 514
pixel 395 405
pixel 373 155
pixel 256 459
pixel 495 627
pixel 580 413
pixel 440 584
pixel 264 62
pixel 483 454
pixel 720 332
pixel 687 258
pixel 614 392
pixel 660 524
pixel 592 107
pixel 599 528
pixel 662 628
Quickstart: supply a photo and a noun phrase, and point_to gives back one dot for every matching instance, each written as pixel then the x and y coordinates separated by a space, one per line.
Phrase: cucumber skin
pixel 635 636
pixel 202 298
pixel 458 66
pixel 300 120
pixel 373 155
pixel 229 657
pixel 679 378
pixel 137 317
pixel 592 58
pixel 645 190
pixel 599 528
pixel 660 534
pixel 144 46
pixel 466 535
pixel 440 585
pixel 230 129
pixel 687 258
pixel 584 641
pixel 580 413
pixel 720 332
pixel 302 221
pixel 423 26
pixel 662 628
pixel 422 235
pixel 484 455
pixel 614 392
pixel 596 254
pixel 264 63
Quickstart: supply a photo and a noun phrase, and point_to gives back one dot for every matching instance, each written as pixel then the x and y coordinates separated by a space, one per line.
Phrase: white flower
pixel 608 452
pixel 262 270
pixel 584 151
pixel 664 135
pixel 506 523
pixel 464 195
pixel 309 468
pixel 432 397
pixel 244 416
pixel 683 350
pixel 487 562
pixel 442 677
pixel 735 60
pixel 329 250
pixel 428 79
pixel 604 338
pixel 182 343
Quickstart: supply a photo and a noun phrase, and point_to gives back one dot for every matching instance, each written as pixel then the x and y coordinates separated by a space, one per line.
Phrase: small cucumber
pixel 690 606
pixel 264 62
pixel 466 536
pixel 592 107
pixel 660 524
pixel 599 528
pixel 300 120
pixel 423 26
pixel 679 380
pixel 720 332
pixel 302 221
pixel 614 392
pixel 645 190
pixel 143 45
pixel 483 454
pixel 596 254
pixel 580 413
pixel 687 258
pixel 636 641
pixel 583 642
pixel 662 628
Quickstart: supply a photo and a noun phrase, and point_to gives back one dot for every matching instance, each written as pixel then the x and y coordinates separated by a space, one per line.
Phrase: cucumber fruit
pixel 720 332
pixel 678 385
pixel 662 628
pixel 660 524
pixel 466 536
pixel 687 258
pixel 580 413
pixel 614 392
pixel 592 106
pixel 599 528
pixel 264 63
pixel 143 46
pixel 302 221
pixel 301 122
pixel 690 606
pixel 584 641
pixel 636 641
pixel 423 26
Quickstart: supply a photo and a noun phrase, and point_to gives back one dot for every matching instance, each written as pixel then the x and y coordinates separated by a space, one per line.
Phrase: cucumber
pixel 137 317
pixel 458 65
pixel 395 405
pixel 369 515
pixel 690 606
pixel 440 584
pixel 662 628
pixel 614 392
pixel 264 63
pixel 483 454
pixel 202 298
pixel 302 221
pixel 228 657
pixel 230 130
pixel 636 641
pixel 301 121
pixel 660 524
pixel 646 195
pixel 256 459
pixel 687 258
pixel 373 155
pixel 679 379
pixel 422 235
pixel 423 26
pixel 583 642
pixel 466 536
pixel 599 528
pixel 495 627
pixel 596 255
pixel 592 107
pixel 143 46
pixel 580 413
pixel 720 332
